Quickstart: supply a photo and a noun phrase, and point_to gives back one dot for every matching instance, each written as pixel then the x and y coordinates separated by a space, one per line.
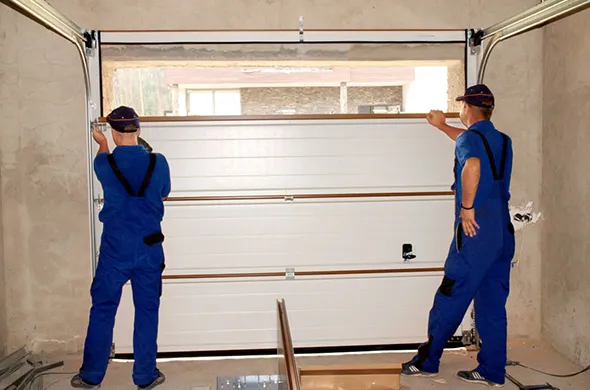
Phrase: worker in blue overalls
pixel 479 260
pixel 135 183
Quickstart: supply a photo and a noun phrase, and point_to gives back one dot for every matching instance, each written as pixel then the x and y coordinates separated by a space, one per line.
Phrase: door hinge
pixel 99 202
pixel 290 273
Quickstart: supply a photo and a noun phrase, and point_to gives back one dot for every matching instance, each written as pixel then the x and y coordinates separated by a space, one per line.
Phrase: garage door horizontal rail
pixel 349 272
pixel 226 118
pixel 309 196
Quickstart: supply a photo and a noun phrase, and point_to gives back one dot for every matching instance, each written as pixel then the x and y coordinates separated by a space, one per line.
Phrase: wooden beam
pixel 236 118
pixel 351 377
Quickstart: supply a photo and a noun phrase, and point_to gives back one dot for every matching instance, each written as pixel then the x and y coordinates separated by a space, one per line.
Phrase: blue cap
pixel 478 95
pixel 124 120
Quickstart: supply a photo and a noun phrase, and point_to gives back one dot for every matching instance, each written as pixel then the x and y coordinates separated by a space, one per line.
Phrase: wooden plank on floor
pixel 351 377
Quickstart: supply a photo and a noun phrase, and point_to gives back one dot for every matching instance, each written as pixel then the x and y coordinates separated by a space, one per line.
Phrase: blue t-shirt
pixel 470 144
pixel 123 214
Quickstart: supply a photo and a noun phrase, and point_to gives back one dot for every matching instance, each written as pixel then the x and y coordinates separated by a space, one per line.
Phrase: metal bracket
pixel 91 42
pixel 301 29
pixel 290 273
pixel 474 340
pixel 250 382
pixel 475 39
pixel 289 198
pixel 99 203
pixel 407 253
pixel 96 125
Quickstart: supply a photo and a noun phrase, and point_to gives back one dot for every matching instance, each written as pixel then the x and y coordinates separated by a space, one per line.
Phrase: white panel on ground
pixel 290 157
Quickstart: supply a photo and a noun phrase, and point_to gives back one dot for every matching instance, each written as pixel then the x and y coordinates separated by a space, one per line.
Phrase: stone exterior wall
pixel 456 80
pixel 314 100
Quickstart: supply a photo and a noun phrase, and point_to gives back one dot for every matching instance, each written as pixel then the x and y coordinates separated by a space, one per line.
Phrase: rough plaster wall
pixel 43 185
pixel 566 188
pixel 317 100
pixel 43 151
pixel 3 327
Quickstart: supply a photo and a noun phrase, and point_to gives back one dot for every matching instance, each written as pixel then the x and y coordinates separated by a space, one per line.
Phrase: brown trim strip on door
pixel 235 118
pixel 241 275
pixel 308 196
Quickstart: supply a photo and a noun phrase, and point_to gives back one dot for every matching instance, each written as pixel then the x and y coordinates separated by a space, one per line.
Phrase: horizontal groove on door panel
pixel 304 273
pixel 237 118
pixel 308 196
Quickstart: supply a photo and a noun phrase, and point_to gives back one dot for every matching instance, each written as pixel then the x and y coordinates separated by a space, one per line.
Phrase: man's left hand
pixel 468 221
pixel 99 137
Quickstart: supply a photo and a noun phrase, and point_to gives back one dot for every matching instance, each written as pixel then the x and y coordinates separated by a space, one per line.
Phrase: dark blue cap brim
pixel 477 101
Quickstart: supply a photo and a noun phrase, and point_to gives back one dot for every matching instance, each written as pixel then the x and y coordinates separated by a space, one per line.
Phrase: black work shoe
pixel 158 381
pixel 476 378
pixel 78 383
pixel 410 369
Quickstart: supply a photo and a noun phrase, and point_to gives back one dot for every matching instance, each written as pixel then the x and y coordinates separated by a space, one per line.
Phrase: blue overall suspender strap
pixel 498 176
pixel 155 238
pixel 125 182
pixel 492 160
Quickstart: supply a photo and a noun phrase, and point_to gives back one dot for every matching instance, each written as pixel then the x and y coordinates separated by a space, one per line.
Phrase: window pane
pixel 201 103
pixel 227 102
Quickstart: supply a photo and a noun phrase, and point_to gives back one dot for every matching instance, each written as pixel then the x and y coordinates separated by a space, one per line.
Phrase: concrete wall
pixel 566 187
pixel 3 323
pixel 43 150
pixel 316 100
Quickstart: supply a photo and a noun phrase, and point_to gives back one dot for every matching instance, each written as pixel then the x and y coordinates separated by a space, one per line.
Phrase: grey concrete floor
pixel 202 374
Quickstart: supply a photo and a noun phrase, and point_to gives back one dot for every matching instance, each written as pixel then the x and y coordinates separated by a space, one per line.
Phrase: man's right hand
pixel 437 119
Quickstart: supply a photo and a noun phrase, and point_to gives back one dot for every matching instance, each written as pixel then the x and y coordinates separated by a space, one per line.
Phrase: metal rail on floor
pixel 286 353
pixel 546 386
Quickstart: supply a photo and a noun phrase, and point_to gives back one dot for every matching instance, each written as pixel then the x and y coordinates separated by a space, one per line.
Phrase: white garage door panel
pixel 287 156
pixel 304 235
pixel 293 157
pixel 222 315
